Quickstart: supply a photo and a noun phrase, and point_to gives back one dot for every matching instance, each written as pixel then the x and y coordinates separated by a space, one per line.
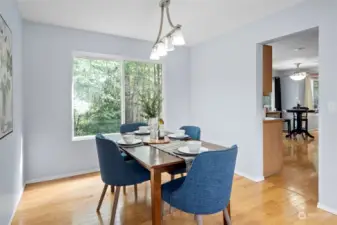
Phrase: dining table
pixel 299 128
pixel 158 162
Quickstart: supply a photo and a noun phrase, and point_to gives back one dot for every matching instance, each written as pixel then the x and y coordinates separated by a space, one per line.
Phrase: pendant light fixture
pixel 298 75
pixel 173 38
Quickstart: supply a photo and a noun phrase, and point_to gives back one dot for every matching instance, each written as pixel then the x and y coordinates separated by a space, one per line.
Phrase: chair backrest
pixel 112 165
pixel 131 127
pixel 208 185
pixel 193 131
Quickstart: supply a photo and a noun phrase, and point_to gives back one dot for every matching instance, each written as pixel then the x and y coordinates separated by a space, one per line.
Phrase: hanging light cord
pixel 161 24
pixel 169 17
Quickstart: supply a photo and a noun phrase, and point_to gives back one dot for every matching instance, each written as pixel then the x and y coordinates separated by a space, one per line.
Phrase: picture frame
pixel 6 79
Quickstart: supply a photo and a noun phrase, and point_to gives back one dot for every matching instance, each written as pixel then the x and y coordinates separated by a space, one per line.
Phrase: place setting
pixel 142 130
pixel 192 148
pixel 179 135
pixel 129 140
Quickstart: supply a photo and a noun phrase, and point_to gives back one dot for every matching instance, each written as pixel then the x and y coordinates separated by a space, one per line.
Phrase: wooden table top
pixel 151 157
pixel 301 110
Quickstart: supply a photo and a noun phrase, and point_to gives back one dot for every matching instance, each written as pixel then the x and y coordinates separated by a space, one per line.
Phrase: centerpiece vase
pixel 153 125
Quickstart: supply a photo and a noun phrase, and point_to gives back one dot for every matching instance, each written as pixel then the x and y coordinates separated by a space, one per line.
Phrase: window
pixel 315 93
pixel 106 93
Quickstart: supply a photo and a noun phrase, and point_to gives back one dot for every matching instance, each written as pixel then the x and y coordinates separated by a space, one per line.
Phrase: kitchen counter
pixel 272 146
pixel 271 119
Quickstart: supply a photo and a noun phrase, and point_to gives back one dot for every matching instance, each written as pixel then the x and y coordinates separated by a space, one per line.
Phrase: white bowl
pixel 143 129
pixel 129 138
pixel 194 146
pixel 180 133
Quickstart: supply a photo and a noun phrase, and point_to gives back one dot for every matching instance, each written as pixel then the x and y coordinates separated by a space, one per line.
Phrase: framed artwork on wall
pixel 6 80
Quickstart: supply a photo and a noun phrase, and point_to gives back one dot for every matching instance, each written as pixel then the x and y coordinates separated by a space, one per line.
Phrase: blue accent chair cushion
pixel 114 169
pixel 124 155
pixel 131 127
pixel 193 131
pixel 208 185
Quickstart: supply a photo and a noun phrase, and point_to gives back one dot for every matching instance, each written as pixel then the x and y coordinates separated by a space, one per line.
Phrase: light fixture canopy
pixel 298 75
pixel 167 42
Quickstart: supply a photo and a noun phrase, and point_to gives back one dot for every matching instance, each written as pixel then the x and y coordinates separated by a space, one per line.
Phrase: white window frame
pixel 312 80
pixel 99 56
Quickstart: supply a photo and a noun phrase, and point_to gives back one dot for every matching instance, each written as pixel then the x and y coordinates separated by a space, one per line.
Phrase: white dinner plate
pixel 141 133
pixel 135 142
pixel 185 150
pixel 174 136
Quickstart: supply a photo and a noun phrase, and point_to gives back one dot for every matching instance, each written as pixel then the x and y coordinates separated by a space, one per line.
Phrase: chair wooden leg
pixel 114 207
pixel 162 209
pixel 227 219
pixel 101 198
pixel 170 209
pixel 124 190
pixel 112 189
pixel 199 219
pixel 136 191
pixel 172 177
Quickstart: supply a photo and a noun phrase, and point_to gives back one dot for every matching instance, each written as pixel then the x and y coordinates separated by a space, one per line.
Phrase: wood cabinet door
pixel 267 69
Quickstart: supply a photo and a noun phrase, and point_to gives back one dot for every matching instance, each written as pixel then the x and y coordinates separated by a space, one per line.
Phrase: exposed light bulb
pixel 161 50
pixel 154 55
pixel 178 38
pixel 168 43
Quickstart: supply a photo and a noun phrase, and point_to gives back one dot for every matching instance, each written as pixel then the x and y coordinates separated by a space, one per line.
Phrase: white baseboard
pixel 37 180
pixel 255 179
pixel 327 208
pixel 17 204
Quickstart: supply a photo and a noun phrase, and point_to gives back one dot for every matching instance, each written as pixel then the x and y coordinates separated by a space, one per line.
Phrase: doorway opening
pixel 293 97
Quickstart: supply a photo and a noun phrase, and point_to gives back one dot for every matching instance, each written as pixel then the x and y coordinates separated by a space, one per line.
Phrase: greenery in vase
pixel 151 103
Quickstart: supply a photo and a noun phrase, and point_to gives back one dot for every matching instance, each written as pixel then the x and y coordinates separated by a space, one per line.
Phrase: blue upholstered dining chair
pixel 194 133
pixel 115 171
pixel 126 158
pixel 131 127
pixel 207 187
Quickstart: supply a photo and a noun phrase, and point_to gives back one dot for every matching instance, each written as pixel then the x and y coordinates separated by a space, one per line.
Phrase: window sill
pixel 114 136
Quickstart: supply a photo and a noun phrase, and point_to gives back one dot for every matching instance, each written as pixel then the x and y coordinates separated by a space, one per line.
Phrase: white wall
pixel 290 91
pixel 226 89
pixel 11 154
pixel 50 152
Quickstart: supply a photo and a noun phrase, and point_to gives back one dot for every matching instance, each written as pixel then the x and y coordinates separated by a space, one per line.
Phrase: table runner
pixel 172 149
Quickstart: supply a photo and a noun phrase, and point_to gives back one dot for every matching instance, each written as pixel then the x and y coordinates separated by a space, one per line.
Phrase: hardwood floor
pixel 287 198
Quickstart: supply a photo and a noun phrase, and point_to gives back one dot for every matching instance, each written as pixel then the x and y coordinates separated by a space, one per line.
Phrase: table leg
pixel 308 134
pixel 299 122
pixel 229 212
pixel 156 196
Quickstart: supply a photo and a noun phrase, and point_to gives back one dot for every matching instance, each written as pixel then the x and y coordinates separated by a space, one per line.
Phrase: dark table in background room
pixel 299 129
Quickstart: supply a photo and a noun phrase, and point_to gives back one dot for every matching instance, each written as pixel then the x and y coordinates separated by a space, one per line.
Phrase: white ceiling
pixel 285 55
pixel 201 19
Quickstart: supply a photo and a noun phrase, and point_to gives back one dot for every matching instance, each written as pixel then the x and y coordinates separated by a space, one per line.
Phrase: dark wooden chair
pixel 287 120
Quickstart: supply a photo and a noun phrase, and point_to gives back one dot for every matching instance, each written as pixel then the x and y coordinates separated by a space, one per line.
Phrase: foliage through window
pixel 107 93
